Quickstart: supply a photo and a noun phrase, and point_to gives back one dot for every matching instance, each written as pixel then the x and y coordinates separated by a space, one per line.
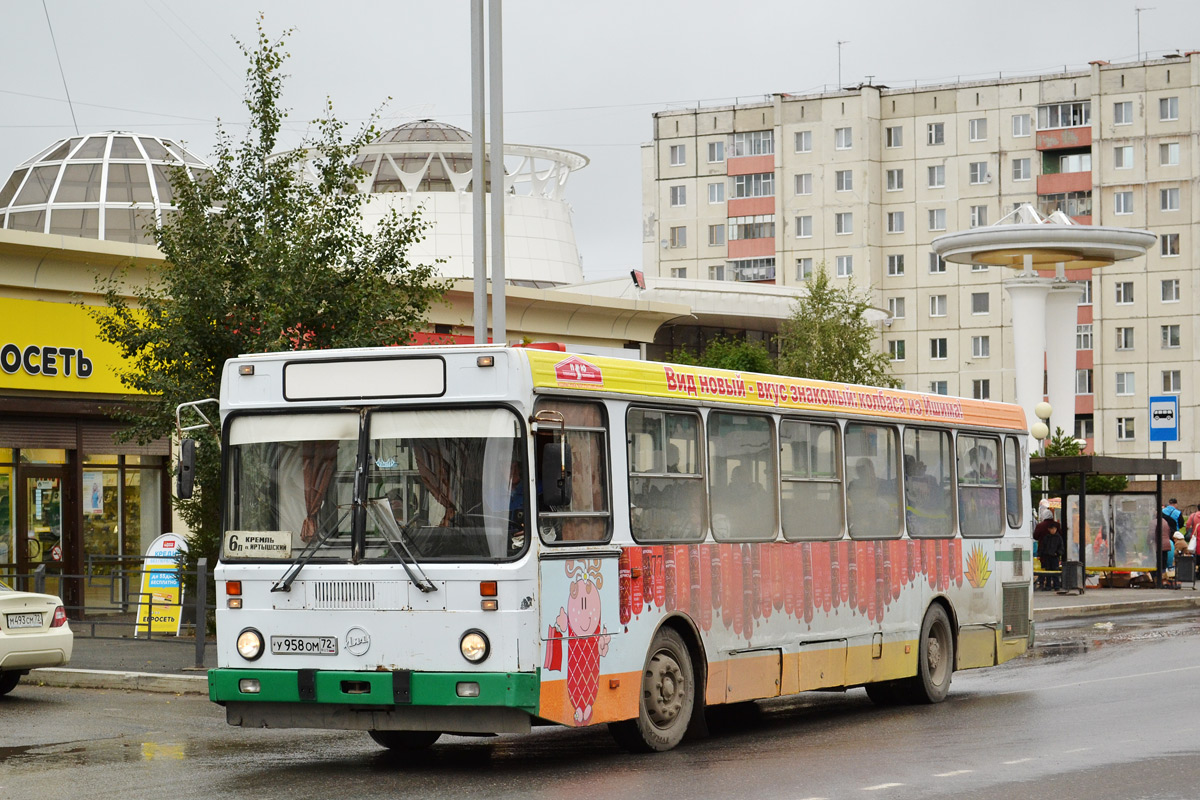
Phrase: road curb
pixel 1108 609
pixel 108 679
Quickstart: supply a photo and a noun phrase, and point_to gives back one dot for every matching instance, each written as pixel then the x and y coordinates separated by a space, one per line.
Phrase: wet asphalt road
pixel 1093 713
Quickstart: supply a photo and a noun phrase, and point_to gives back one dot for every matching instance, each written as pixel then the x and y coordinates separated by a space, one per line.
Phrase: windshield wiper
pixel 284 584
pixel 381 512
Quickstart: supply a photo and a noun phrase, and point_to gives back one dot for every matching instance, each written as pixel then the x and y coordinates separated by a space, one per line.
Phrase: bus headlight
pixel 474 646
pixel 250 644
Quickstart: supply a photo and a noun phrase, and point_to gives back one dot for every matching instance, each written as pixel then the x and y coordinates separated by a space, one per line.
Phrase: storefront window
pixel 7 507
pixel 31 455
pixel 122 513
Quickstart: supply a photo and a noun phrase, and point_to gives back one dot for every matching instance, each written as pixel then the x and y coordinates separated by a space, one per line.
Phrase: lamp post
pixel 1040 430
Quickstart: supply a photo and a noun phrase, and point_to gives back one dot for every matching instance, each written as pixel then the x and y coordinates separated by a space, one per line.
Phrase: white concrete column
pixel 1029 339
pixel 1062 314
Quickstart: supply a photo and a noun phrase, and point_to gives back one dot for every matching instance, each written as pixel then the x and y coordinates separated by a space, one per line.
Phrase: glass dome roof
pixel 110 185
pixel 384 166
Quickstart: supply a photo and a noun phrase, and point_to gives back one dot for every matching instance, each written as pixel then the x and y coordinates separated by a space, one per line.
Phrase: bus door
pixel 578 568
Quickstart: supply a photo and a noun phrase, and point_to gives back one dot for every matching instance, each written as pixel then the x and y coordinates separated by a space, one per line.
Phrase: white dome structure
pixel 110 186
pixel 427 165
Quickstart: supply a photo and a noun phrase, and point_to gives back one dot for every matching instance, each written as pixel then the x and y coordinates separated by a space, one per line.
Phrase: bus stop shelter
pixel 1084 466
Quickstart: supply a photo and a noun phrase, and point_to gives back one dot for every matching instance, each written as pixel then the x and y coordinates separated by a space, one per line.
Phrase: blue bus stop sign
pixel 1164 418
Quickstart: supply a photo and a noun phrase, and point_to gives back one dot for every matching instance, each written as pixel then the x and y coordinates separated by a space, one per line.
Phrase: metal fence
pixel 113 597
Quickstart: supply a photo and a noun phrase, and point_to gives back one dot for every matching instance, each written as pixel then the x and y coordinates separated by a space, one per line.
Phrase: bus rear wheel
pixel 668 695
pixel 935 659
pixel 401 741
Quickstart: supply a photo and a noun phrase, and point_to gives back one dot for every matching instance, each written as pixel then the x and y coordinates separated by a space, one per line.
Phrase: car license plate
pixel 304 645
pixel 23 620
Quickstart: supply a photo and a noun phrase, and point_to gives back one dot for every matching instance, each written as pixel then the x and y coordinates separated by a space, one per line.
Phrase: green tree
pixel 267 252
pixel 828 338
pixel 1060 444
pixel 727 353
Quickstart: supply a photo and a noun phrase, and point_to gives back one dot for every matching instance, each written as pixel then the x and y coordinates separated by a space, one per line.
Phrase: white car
pixel 33 633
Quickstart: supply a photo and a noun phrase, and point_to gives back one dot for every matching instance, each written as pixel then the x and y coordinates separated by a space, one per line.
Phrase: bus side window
pixel 811 481
pixel 1012 481
pixel 979 491
pixel 743 483
pixel 873 493
pixel 585 516
pixel 928 483
pixel 666 486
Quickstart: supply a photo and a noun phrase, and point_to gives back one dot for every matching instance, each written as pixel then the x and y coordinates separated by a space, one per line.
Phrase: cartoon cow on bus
pixel 587 639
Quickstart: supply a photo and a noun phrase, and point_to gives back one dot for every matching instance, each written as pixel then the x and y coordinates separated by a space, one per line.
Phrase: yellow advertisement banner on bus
pixel 655 379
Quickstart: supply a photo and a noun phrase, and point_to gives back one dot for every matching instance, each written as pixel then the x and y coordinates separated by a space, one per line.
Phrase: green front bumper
pixel 505 689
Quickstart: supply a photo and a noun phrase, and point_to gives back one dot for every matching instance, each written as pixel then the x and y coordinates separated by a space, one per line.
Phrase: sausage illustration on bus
pixel 587 639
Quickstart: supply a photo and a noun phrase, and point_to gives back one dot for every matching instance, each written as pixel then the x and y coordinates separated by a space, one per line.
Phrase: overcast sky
pixel 584 77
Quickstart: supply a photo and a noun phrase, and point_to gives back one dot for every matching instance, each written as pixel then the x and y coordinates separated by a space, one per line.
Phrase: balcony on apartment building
pixel 1065 184
pixel 1064 125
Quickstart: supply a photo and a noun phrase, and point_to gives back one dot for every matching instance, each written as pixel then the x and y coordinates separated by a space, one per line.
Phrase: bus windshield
pixel 441 485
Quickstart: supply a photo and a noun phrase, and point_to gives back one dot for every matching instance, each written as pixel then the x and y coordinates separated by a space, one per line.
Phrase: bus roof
pixel 676 381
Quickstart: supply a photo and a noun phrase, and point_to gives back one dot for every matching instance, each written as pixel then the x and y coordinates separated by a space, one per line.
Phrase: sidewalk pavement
pixel 168 664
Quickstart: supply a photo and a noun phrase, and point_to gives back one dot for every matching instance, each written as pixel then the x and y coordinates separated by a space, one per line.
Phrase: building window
pixel 1170 337
pixel 1021 169
pixel 678 196
pixel 679 236
pixel 1123 203
pixel 716 235
pixel 761 226
pixel 751 269
pixel 893 136
pixel 1085 426
pixel 716 272
pixel 843 180
pixel 1083 381
pixel 896 307
pixel 937 176
pixel 979 268
pixel 804 227
pixel 804 269
pixel 678 272
pixel 758 184
pixel 1168 199
pixel 896 349
pixel 981 347
pixel 1172 381
pixel 1124 291
pixel 716 193
pixel 895 222
pixel 1168 154
pixel 938 387
pixel 980 303
pixel 843 138
pixel 938 348
pixel 845 266
pixel 804 183
pixel 754 143
pixel 1020 125
pixel 1125 384
pixel 1124 338
pixel 935 133
pixel 1123 113
pixel 1075 162
pixel 979 216
pixel 981 389
pixel 1086 299
pixel 937 264
pixel 843 223
pixel 977 129
pixel 895 265
pixel 1064 115
pixel 937 305
pixel 1123 156
pixel 1073 204
pixel 978 171
pixel 716 152
pixel 1169 244
pixel 895 180
pixel 678 155
pixel 1124 429
pixel 1168 108
pixel 1170 290
pixel 937 219
pixel 803 141
pixel 1083 337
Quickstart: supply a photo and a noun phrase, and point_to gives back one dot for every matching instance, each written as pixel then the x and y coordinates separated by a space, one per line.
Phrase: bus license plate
pixel 304 645
pixel 23 620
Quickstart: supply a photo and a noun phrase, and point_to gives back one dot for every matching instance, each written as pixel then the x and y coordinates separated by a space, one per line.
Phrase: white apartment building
pixel 864 179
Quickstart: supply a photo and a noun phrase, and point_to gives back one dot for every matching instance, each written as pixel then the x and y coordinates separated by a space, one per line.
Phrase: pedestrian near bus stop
pixel 1050 551
pixel 1192 522
pixel 1171 512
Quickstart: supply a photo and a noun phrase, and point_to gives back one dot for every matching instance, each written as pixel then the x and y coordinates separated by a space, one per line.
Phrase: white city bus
pixel 475 540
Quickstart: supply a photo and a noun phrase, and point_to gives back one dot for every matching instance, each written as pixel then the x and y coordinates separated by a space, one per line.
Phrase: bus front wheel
pixel 400 741
pixel 668 694
pixel 935 659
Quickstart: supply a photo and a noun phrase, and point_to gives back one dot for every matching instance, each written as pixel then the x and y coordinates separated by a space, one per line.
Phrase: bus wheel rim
pixel 664 689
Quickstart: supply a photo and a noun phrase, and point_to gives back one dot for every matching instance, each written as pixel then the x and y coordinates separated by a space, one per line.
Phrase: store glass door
pixel 40 537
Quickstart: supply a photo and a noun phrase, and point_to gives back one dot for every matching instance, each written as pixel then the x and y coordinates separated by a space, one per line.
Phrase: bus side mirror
pixel 556 474
pixel 187 469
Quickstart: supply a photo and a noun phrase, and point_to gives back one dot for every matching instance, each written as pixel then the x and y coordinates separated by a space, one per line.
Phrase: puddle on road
pixel 1067 639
